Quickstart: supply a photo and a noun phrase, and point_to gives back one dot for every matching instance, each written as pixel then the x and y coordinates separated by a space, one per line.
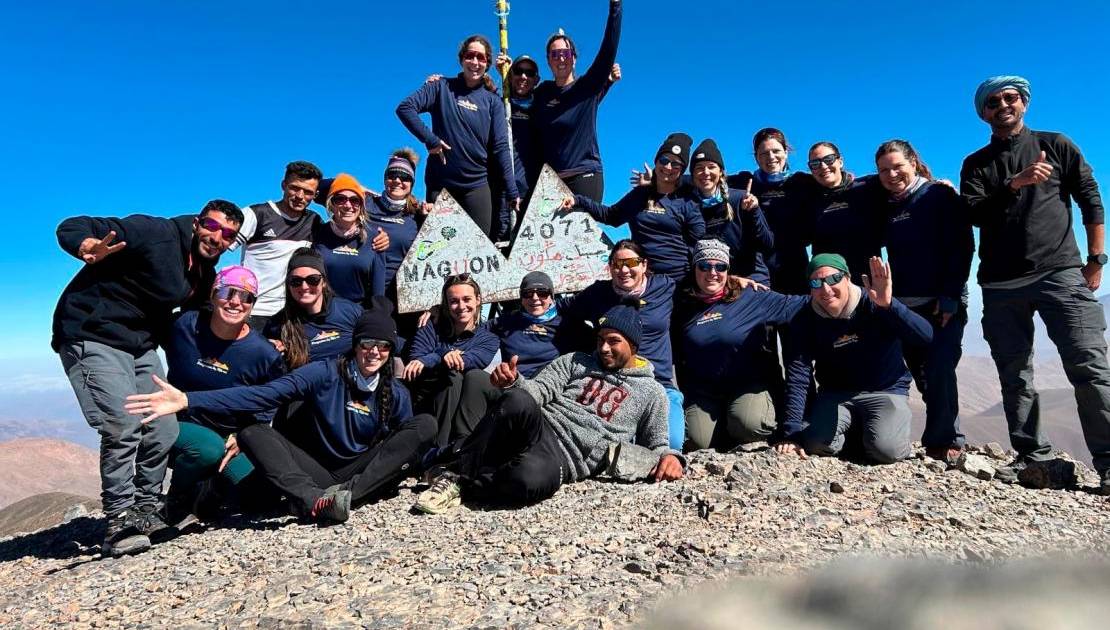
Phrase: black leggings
pixel 476 202
pixel 303 479
pixel 591 185
pixel 512 457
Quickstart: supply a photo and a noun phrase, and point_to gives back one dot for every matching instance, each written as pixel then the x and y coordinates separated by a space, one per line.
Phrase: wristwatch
pixel 1099 259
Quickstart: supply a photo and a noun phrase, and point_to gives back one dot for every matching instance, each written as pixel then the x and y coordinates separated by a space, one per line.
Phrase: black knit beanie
pixel 707 151
pixel 376 322
pixel 626 321
pixel 677 145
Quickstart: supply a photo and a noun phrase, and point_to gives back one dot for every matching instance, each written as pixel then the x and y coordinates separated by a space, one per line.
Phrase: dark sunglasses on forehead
pixel 346 200
pixel 525 72
pixel 213 225
pixel 1008 98
pixel 226 293
pixel 828 160
pixel 313 281
pixel 719 267
pixel 815 283
pixel 543 294
pixel 370 344
pixel 474 55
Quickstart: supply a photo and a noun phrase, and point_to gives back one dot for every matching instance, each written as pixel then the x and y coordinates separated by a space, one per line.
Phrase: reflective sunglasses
pixel 543 294
pixel 475 55
pixel 631 263
pixel 399 175
pixel 665 160
pixel 313 281
pixel 828 161
pixel 213 225
pixel 719 267
pixel 997 100
pixel 370 344
pixel 226 293
pixel 561 54
pixel 815 283
pixel 346 200
pixel 525 72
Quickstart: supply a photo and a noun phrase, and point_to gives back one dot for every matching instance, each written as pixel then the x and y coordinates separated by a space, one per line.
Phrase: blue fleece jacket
pixel 848 220
pixel 328 332
pixel 860 354
pixel 666 226
pixel 719 347
pixel 196 360
pixel 478 346
pixel 747 235
pixel 783 206
pixel 471 121
pixel 345 419
pixel 400 227
pixel 656 307
pixel 916 229
pixel 565 118
pixel 534 343
pixel 355 271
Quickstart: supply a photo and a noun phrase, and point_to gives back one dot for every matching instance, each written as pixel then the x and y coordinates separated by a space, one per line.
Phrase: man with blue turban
pixel 1019 190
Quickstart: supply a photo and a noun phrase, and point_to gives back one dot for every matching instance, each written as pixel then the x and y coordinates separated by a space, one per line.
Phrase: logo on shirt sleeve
pixel 215 365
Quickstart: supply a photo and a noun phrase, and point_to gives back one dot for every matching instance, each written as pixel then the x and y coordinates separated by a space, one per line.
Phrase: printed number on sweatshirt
pixel 607 400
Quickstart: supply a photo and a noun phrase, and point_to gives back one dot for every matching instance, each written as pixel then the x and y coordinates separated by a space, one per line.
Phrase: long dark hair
pixel 905 148
pixel 487 82
pixel 292 317
pixel 444 326
pixel 383 396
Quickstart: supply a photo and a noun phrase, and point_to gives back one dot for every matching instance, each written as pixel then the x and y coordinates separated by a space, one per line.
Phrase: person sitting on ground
pixel 852 339
pixel 207 349
pixel 720 358
pixel 359 438
pixel 577 418
pixel 445 349
pixel 315 323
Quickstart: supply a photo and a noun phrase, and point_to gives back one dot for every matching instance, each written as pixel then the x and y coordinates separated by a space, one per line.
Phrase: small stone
pixel 994 450
pixel 719 469
pixel 977 466
pixel 1054 474
pixel 836 487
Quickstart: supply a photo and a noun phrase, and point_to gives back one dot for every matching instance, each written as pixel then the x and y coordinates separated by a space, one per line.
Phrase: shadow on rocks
pixel 78 537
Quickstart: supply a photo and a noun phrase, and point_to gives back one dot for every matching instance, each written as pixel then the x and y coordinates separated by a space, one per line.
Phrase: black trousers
pixel 303 478
pixel 591 185
pixel 476 202
pixel 512 458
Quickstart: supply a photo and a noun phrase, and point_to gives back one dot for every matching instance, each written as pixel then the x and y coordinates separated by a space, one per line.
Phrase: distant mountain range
pixel 31 466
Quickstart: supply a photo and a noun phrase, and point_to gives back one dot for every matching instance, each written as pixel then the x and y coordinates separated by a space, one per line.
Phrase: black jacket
pixel 1028 231
pixel 126 300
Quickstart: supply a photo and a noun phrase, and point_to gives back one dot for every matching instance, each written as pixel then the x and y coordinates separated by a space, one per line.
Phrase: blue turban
pixel 994 84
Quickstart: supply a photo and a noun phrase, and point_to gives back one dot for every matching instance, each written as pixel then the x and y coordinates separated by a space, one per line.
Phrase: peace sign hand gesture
pixel 94 250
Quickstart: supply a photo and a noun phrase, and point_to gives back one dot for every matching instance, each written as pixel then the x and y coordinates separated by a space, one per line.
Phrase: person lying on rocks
pixel 581 416
pixel 353 440
pixel 852 338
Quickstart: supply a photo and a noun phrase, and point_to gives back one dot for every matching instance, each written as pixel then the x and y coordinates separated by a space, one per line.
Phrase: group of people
pixel 747 307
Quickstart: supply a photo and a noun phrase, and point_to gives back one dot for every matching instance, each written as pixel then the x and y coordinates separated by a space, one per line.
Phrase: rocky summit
pixel 597 555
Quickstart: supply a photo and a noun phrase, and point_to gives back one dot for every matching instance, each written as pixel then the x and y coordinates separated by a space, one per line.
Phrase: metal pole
pixel 501 8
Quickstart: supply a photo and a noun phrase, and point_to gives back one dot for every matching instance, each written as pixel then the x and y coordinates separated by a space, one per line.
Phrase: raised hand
pixel 432 78
pixel 381 241
pixel 503 63
pixel 878 284
pixel 94 250
pixel 504 375
pixel 1036 173
pixel 615 73
pixel 640 178
pixel 749 202
pixel 167 400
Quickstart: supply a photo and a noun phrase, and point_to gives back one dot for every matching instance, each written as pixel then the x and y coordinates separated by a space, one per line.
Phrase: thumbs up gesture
pixel 504 375
pixel 1036 173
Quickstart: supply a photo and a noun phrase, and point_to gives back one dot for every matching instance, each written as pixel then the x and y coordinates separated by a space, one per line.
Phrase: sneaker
pixel 1009 473
pixel 445 494
pixel 123 536
pixel 334 506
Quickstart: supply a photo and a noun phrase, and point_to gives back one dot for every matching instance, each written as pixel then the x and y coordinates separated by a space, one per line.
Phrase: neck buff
pixel 393 204
pixel 770 178
pixel 854 294
pixel 345 234
pixel 522 102
pixel 545 317
pixel 633 293
pixel 711 298
pixel 918 182
pixel 364 383
pixel 709 202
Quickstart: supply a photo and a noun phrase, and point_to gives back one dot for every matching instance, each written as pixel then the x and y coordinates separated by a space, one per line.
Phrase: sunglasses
pixel 346 200
pixel 213 225
pixel 543 294
pixel 399 175
pixel 313 281
pixel 669 161
pixel 630 263
pixel 705 265
pixel 226 293
pixel 815 283
pixel 370 344
pixel 828 161
pixel 562 54
pixel 997 100
pixel 474 55
pixel 525 72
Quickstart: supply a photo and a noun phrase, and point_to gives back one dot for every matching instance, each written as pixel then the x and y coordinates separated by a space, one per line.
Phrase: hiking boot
pixel 334 506
pixel 149 521
pixel 445 494
pixel 950 455
pixel 1009 473
pixel 123 536
pixel 1104 485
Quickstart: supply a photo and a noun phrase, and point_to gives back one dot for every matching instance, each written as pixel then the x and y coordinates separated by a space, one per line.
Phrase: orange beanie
pixel 345 182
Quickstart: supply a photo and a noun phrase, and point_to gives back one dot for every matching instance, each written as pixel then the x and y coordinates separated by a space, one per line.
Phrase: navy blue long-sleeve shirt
pixel 535 343
pixel 747 235
pixel 400 227
pixel 471 121
pixel 565 118
pixel 198 360
pixel 666 226
pixel 656 306
pixel 719 347
pixel 477 346
pixel 848 220
pixel 355 271
pixel 929 243
pixel 345 419
pixel 783 205
pixel 859 354
pixel 328 332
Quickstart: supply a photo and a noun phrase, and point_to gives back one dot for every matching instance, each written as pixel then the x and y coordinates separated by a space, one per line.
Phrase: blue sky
pixel 124 106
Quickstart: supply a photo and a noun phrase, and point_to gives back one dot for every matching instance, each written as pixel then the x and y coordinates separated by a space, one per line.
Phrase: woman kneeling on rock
pixel 356 438
pixel 852 338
